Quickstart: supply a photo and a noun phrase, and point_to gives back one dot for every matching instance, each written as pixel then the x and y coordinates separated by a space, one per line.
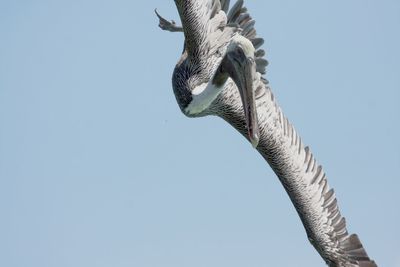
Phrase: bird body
pixel 221 60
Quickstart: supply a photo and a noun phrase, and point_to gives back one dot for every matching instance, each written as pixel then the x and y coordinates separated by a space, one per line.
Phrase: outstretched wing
pixel 207 25
pixel 316 203
pixel 325 228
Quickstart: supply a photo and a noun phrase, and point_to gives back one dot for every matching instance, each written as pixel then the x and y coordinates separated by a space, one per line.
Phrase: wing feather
pixel 341 249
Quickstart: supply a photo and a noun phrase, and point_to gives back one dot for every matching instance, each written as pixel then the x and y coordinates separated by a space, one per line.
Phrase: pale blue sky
pixel 98 167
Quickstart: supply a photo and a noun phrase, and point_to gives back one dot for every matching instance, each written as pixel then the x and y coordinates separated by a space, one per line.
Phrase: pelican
pixel 221 73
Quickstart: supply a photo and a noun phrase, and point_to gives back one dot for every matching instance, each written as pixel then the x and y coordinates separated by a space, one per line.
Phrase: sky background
pixel 98 167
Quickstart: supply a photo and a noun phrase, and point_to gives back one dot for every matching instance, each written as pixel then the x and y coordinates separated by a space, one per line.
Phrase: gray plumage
pixel 209 27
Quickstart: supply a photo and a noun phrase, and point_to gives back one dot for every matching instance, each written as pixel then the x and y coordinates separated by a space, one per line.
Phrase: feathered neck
pixel 195 17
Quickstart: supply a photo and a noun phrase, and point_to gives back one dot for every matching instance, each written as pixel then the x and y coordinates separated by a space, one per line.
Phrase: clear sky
pixel 98 167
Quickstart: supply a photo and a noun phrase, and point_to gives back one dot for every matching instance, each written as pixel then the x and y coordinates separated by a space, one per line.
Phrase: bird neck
pixel 193 14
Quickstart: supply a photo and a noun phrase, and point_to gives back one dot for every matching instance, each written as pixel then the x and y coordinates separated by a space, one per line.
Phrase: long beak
pixel 242 70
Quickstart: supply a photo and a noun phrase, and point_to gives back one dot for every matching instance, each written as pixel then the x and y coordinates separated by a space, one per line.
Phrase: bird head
pixel 213 53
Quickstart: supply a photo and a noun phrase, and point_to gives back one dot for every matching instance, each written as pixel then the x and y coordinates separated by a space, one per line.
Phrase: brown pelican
pixel 220 73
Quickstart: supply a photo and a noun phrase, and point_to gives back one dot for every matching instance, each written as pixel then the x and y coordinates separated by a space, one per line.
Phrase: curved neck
pixel 194 17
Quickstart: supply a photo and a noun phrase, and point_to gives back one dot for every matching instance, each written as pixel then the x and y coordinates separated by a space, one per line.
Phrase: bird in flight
pixel 221 73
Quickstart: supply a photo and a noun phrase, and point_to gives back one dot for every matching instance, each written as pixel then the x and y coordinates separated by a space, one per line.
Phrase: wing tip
pixel 354 250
